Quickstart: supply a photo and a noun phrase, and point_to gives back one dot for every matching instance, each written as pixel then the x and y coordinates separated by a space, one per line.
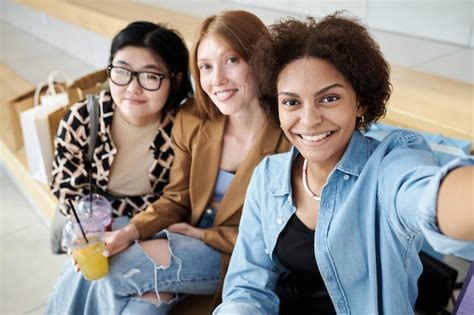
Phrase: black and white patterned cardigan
pixel 70 169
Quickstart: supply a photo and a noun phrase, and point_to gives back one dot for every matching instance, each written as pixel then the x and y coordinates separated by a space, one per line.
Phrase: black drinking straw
pixel 77 219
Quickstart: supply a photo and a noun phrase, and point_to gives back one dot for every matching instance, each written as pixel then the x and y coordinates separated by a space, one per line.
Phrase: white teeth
pixel 316 137
pixel 225 94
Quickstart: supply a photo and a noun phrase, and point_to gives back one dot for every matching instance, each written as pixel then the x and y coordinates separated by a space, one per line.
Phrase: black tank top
pixel 303 288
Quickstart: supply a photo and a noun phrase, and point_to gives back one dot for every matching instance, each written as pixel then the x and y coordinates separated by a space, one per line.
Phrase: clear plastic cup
pixel 87 253
pixel 99 210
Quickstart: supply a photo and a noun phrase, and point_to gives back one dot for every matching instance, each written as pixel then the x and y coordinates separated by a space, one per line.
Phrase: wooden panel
pixel 11 85
pixel 431 103
pixel 38 194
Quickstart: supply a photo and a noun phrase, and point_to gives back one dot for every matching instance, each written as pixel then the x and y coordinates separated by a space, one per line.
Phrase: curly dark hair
pixel 337 39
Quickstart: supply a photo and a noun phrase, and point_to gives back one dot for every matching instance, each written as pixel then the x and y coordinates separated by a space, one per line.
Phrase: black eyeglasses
pixel 150 81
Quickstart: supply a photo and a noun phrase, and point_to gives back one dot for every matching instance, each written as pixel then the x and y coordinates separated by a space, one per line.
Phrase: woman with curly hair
pixel 336 224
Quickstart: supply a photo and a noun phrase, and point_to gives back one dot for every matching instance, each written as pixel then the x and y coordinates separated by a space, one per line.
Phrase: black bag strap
pixel 93 108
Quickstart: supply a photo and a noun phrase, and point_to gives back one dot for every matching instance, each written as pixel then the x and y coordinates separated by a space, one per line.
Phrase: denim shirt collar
pixel 352 162
pixel 356 155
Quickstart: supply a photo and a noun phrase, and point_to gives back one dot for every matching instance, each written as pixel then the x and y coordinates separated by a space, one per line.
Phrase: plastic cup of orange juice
pixel 88 252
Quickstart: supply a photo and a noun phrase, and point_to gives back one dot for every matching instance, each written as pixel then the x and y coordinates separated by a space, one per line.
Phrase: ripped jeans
pixel 194 269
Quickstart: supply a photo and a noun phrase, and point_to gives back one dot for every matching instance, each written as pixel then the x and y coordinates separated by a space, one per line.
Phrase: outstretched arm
pixel 456 204
pixel 421 196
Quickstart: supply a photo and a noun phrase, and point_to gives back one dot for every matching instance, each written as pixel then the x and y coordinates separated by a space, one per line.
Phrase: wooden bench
pixel 431 103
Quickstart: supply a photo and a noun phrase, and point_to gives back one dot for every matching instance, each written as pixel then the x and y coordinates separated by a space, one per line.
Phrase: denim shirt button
pixel 346 177
pixel 209 211
pixel 266 251
pixel 279 221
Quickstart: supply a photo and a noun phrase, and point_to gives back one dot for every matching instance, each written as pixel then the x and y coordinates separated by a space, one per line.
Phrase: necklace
pixel 305 182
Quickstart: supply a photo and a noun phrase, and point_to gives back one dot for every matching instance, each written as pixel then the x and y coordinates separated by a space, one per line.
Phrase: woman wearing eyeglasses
pixel 148 80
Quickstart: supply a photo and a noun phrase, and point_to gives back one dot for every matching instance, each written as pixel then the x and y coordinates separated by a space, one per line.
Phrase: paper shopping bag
pixel 54 119
pixel 47 93
pixel 37 141
pixel 35 126
pixel 15 107
pixel 91 83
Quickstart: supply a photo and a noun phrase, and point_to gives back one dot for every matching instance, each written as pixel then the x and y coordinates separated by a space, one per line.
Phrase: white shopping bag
pixel 37 141
pixel 35 129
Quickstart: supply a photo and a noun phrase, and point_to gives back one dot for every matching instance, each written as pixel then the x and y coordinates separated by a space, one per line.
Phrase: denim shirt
pixel 375 207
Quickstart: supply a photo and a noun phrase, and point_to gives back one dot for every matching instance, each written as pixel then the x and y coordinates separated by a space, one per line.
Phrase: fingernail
pixel 106 253
pixel 76 268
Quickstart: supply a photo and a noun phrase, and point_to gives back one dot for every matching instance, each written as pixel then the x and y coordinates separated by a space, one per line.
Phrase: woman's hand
pixel 115 242
pixel 73 261
pixel 186 229
pixel 119 240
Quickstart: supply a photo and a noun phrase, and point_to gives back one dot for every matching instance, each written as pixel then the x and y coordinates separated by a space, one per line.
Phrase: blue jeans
pixel 194 269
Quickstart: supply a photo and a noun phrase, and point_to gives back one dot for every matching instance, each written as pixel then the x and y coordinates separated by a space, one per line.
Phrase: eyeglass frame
pixel 136 74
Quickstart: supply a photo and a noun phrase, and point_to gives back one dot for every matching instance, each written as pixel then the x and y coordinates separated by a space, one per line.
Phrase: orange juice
pixel 93 264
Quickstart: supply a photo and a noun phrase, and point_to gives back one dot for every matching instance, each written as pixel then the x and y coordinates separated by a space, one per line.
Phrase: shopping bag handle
pixel 53 87
pixel 52 79
pixel 39 87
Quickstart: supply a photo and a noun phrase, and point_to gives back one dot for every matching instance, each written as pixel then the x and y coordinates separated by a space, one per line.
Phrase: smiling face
pixel 317 109
pixel 225 76
pixel 138 106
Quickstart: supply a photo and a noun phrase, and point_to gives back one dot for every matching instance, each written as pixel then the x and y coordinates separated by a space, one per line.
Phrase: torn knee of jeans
pixel 159 266
pixel 172 255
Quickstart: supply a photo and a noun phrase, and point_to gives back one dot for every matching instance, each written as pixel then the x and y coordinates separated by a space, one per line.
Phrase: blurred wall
pixel 449 21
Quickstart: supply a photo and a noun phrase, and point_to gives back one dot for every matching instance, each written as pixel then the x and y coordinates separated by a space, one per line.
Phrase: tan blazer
pixel 198 148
